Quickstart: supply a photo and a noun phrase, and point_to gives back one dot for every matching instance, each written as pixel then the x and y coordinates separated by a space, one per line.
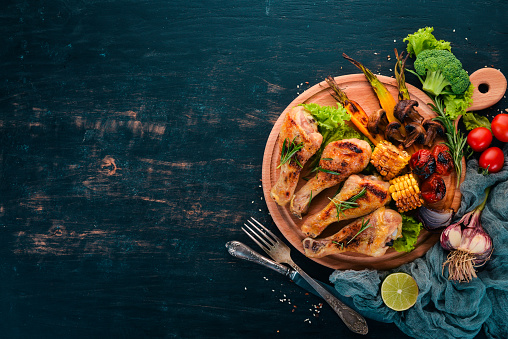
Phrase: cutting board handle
pixel 489 88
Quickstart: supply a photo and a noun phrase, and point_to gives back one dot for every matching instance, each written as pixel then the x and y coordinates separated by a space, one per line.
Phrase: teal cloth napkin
pixel 447 309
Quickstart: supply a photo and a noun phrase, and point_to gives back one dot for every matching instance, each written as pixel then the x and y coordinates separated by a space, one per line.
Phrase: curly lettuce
pixel 424 39
pixel 457 104
pixel 332 126
pixel 410 231
pixel 472 120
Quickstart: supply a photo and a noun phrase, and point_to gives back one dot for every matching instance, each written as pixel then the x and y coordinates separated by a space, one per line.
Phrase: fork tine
pixel 260 235
pixel 263 246
pixel 272 242
pixel 266 230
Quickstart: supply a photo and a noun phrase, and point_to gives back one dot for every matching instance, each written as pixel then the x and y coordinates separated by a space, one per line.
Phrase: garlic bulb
pixel 469 243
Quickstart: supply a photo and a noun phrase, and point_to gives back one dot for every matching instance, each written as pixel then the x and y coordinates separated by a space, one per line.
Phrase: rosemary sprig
pixel 365 225
pixel 341 206
pixel 310 199
pixel 338 243
pixel 289 149
pixel 324 170
pixel 456 141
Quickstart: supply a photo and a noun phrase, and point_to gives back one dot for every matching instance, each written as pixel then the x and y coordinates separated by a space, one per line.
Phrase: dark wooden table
pixel 132 136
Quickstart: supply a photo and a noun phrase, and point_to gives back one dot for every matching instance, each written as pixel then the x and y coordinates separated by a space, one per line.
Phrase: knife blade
pixel 240 250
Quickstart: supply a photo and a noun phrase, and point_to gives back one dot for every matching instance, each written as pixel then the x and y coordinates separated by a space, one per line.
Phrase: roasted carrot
pixel 358 116
pixel 385 98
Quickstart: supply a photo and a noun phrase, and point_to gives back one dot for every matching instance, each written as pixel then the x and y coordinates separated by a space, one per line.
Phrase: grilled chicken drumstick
pixel 298 131
pixel 340 159
pixel 359 196
pixel 370 235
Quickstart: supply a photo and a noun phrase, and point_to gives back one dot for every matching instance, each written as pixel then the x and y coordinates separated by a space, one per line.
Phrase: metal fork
pixel 280 252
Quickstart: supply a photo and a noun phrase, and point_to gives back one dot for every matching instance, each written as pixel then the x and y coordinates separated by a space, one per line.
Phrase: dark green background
pixel 180 96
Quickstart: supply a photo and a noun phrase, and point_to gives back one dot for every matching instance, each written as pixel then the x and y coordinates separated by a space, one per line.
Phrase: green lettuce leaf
pixel 332 126
pixel 472 120
pixel 424 39
pixel 328 117
pixel 458 104
pixel 410 231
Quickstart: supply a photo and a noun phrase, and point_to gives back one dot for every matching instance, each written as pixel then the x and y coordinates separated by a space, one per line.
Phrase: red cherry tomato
pixel 500 127
pixel 444 161
pixel 423 163
pixel 492 159
pixel 433 189
pixel 479 139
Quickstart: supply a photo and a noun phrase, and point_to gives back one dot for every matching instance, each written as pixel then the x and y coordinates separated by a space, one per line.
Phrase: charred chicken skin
pixel 371 235
pixel 339 160
pixel 373 197
pixel 298 128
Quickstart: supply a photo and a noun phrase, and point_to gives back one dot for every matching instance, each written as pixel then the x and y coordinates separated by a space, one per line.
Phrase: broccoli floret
pixel 422 40
pixel 440 69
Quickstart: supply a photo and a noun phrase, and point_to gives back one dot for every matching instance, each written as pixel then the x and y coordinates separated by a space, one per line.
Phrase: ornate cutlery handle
pixel 351 318
pixel 242 251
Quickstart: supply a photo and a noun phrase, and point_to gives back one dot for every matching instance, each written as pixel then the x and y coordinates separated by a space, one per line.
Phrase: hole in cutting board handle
pixel 483 88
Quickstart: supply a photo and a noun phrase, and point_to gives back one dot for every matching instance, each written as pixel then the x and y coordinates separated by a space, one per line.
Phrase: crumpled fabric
pixel 447 309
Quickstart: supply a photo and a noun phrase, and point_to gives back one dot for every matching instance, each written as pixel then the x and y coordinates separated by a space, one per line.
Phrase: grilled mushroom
pixel 416 133
pixel 405 111
pixel 377 122
pixel 392 132
pixel 433 129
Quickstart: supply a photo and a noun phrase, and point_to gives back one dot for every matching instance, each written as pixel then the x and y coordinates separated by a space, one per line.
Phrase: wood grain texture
pixel 131 143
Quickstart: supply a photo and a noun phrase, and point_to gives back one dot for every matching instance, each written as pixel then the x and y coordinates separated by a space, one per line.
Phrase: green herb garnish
pixel 365 225
pixel 310 199
pixel 324 170
pixel 341 206
pixel 456 140
pixel 338 243
pixel 289 149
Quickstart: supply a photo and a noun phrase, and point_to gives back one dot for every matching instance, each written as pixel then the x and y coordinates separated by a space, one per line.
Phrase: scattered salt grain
pixel 394 40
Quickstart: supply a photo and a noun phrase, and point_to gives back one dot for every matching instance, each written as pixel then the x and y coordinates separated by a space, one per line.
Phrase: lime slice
pixel 399 291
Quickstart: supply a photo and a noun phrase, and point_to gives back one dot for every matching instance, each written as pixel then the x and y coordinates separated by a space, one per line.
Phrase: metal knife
pixel 242 251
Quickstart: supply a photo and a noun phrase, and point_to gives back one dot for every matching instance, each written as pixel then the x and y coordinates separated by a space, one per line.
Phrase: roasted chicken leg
pixel 340 159
pixel 368 235
pixel 298 128
pixel 375 196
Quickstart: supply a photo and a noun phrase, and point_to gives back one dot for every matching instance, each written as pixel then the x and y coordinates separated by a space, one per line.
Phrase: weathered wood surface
pixel 131 144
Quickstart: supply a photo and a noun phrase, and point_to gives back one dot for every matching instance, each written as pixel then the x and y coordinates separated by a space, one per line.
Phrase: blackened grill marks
pixel 375 190
pixel 351 146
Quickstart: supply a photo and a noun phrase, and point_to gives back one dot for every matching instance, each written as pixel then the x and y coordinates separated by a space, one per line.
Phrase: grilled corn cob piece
pixel 389 160
pixel 406 193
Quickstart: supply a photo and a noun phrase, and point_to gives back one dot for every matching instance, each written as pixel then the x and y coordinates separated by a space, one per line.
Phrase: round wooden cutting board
pixel 358 89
